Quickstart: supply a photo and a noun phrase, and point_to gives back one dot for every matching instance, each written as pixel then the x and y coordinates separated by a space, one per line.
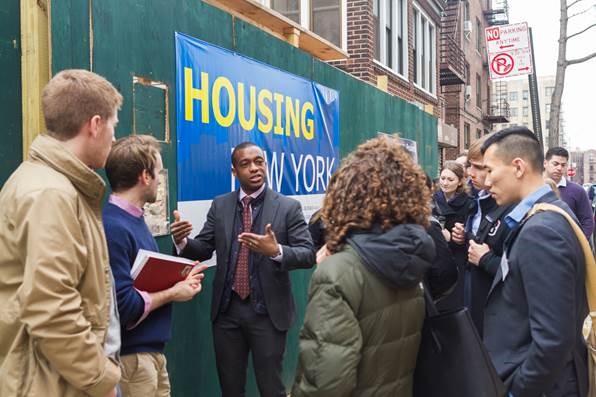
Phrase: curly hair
pixel 378 184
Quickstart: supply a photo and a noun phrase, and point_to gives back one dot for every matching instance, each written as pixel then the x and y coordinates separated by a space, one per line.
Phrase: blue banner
pixel 224 98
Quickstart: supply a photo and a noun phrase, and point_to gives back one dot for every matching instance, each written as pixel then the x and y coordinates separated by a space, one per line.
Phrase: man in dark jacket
pixel 555 167
pixel 258 236
pixel 537 303
pixel 483 234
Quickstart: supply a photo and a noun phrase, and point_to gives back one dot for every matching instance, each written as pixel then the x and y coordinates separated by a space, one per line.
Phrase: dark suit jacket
pixel 289 226
pixel 493 231
pixel 533 319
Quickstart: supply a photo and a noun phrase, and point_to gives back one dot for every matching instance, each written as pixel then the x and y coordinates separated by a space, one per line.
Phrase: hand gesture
pixel 180 229
pixel 186 289
pixel 265 244
pixel 476 251
pixel 458 234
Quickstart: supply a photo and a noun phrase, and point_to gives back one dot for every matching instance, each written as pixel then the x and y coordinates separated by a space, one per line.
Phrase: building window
pixel 478 91
pixel 323 17
pixel 525 112
pixel 391 37
pixel 548 92
pixel 326 19
pixel 479 36
pixel 288 8
pixel 466 11
pixel 478 133
pixel 513 96
pixel 525 95
pixel 513 112
pixel 547 108
pixel 467 69
pixel 425 49
pixel 466 135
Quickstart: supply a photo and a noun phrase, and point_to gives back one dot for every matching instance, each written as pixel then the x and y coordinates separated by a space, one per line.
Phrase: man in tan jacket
pixel 58 324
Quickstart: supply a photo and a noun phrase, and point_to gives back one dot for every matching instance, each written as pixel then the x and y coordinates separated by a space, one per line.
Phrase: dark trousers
pixel 237 332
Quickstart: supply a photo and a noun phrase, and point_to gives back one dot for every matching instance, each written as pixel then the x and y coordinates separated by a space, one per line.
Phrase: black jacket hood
pixel 400 256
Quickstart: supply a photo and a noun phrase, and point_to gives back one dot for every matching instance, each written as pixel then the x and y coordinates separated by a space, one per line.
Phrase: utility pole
pixel 534 99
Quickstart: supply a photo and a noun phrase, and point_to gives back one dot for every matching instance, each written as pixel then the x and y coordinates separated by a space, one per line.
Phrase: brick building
pixel 428 52
pixel 516 93
pixel 584 164
pixel 468 106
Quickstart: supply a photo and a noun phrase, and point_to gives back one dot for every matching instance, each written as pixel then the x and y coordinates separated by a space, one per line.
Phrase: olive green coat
pixel 361 334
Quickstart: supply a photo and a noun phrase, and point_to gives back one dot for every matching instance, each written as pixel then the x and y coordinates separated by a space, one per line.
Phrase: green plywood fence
pixel 10 91
pixel 136 38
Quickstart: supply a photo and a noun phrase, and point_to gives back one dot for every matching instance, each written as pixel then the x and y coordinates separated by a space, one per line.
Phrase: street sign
pixel 508 49
pixel 571 172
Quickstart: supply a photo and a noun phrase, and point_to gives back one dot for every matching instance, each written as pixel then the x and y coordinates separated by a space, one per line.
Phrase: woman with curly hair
pixel 362 327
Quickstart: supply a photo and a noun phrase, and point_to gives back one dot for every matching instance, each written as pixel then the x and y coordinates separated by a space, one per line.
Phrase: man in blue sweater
pixel 133 167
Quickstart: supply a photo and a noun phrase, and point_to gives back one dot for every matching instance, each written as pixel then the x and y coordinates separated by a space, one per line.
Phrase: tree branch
pixel 574 3
pixel 580 60
pixel 580 13
pixel 580 32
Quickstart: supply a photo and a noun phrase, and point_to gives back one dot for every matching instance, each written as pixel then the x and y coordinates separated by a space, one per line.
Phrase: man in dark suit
pixel 258 236
pixel 483 233
pixel 537 303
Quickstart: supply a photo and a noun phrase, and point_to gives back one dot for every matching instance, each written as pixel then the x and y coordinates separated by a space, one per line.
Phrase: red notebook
pixel 153 271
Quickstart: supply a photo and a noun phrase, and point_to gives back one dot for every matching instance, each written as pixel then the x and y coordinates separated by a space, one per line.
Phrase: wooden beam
pixel 278 25
pixel 35 66
pixel 382 82
pixel 292 36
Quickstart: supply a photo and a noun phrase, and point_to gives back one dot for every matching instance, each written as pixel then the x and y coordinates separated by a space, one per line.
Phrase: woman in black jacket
pixel 452 202
pixel 452 205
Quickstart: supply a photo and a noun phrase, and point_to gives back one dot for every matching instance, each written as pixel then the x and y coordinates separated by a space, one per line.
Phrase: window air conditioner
pixel 468 92
pixel 467 26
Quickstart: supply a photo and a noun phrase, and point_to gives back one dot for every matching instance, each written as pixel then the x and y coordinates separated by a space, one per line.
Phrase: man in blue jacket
pixel 133 169
pixel 537 303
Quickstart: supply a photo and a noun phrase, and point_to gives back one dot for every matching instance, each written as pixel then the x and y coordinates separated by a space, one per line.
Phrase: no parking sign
pixel 508 48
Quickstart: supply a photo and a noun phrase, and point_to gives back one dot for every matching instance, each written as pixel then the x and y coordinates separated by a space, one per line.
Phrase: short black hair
pixel 517 141
pixel 556 151
pixel 239 147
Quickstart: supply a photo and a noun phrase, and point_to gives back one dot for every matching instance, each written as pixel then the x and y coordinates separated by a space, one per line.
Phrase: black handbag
pixel 452 360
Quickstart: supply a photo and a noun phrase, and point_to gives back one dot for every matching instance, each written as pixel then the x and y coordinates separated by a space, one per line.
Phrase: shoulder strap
pixel 589 257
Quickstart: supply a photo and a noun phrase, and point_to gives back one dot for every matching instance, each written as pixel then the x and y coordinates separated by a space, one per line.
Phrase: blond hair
pixel 72 97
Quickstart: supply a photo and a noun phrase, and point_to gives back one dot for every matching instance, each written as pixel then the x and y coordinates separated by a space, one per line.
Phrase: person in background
pixel 316 228
pixel 133 168
pixel 442 275
pixel 452 205
pixel 365 310
pixel 258 236
pixel 556 162
pixel 483 234
pixel 59 328
pixel 463 160
pixel 537 304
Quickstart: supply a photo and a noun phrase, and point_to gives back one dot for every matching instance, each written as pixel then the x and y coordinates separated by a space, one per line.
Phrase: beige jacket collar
pixel 54 154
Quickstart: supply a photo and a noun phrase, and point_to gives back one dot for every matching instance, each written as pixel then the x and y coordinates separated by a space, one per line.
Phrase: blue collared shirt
pixel 475 220
pixel 515 217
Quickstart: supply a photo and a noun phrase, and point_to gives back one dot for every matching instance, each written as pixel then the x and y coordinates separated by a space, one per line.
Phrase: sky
pixel 579 102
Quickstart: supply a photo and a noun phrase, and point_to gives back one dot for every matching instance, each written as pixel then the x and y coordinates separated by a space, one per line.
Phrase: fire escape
pixel 452 65
pixel 498 111
pixel 452 71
